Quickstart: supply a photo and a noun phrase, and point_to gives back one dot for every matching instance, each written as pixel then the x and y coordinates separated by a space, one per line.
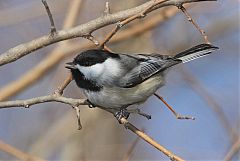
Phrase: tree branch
pixel 78 117
pixel 142 14
pixel 43 99
pixel 128 20
pixel 52 28
pixel 85 31
pixel 17 153
pixel 75 103
pixel 128 155
pixel 63 51
pixel 149 140
pixel 190 19
pixel 178 116
pixel 145 137
pixel 60 89
pixel 24 49
pixel 234 149
pixel 213 104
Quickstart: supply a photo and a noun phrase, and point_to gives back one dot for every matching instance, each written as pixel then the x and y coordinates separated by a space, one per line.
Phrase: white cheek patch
pixel 102 72
pixel 112 68
pixel 91 71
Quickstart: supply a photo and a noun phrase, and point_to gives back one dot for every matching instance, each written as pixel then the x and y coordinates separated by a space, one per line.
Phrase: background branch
pixel 69 45
pixel 60 89
pixel 75 103
pixel 128 155
pixel 43 99
pixel 199 88
pixel 24 49
pixel 68 49
pixel 17 153
pixel 52 28
pixel 146 138
pixel 178 116
pixel 190 19
pixel 143 13
pixel 233 150
pixel 149 140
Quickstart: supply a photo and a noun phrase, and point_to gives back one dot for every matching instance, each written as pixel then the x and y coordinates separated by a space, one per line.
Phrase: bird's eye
pixel 87 63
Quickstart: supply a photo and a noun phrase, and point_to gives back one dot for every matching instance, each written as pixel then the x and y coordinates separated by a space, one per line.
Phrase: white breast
pixel 91 71
pixel 116 97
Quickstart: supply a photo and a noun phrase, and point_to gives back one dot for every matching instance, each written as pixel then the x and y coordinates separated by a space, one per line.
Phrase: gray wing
pixel 147 66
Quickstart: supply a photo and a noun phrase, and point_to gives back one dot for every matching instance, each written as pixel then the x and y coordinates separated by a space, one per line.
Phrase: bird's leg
pixel 178 116
pixel 138 111
pixel 90 104
pixel 123 113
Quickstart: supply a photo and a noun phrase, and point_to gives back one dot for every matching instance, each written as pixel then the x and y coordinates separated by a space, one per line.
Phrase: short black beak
pixel 70 65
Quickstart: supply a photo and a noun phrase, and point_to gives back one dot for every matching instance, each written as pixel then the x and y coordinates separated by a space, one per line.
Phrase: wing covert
pixel 140 73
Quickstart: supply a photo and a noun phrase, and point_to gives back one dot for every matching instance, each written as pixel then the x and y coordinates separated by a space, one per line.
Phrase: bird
pixel 117 80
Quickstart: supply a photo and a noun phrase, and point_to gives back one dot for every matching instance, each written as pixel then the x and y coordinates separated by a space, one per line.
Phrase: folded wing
pixel 147 67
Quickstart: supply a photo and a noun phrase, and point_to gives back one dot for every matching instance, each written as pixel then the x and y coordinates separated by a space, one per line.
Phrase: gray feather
pixel 146 68
pixel 195 52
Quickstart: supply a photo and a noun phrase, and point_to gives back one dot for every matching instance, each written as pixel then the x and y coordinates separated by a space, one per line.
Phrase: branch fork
pixel 92 39
pixel 53 30
pixel 191 20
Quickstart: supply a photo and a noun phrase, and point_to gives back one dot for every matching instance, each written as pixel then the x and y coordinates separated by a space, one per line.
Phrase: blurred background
pixel 207 88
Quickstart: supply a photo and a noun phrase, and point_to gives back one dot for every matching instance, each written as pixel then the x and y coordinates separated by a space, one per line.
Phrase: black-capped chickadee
pixel 116 81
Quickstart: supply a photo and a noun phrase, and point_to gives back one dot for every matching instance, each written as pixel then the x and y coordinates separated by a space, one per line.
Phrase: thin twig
pixel 55 56
pixel 56 97
pixel 72 14
pixel 128 155
pixel 233 151
pixel 107 48
pixel 61 52
pixel 143 13
pixel 17 153
pixel 149 140
pixel 78 117
pixel 145 137
pixel 61 88
pixel 213 104
pixel 52 28
pixel 190 19
pixel 24 49
pixel 75 103
pixel 43 99
pixel 178 116
pixel 126 21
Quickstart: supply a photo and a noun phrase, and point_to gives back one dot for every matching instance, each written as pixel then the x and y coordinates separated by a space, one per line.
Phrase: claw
pixel 123 113
pixel 185 117
pixel 138 111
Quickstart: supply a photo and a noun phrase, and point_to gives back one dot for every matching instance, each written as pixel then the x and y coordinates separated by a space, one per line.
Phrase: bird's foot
pixel 138 111
pixel 123 113
pixel 180 117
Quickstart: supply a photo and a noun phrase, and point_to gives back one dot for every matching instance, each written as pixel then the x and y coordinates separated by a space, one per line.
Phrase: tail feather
pixel 195 52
